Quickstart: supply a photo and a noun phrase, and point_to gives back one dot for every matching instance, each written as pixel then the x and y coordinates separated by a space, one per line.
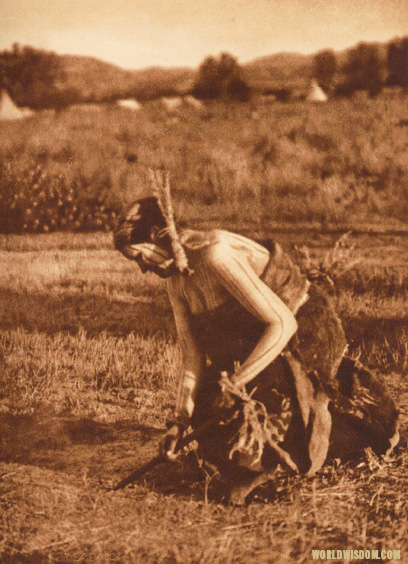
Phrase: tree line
pixel 36 78
pixel 365 68
pixel 221 77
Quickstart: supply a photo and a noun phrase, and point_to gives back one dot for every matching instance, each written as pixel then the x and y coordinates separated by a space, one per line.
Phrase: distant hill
pixel 293 70
pixel 280 69
pixel 96 80
pixel 91 77
pixel 179 80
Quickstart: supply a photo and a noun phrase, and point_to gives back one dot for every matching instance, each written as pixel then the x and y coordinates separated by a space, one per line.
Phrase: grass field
pixel 88 354
pixel 88 375
pixel 340 163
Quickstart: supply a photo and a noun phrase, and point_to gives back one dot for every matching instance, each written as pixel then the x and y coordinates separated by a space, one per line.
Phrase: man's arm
pixel 193 360
pixel 193 363
pixel 235 273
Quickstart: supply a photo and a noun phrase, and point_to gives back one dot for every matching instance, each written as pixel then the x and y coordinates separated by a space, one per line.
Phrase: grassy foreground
pixel 88 375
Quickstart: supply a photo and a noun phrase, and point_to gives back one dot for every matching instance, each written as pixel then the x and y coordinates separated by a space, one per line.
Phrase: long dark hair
pixel 135 222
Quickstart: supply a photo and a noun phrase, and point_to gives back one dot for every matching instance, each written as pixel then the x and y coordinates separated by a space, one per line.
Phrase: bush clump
pixel 34 201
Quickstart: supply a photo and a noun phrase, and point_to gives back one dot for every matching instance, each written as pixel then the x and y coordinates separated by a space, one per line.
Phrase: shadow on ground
pixel 75 446
pixel 51 314
pixel 100 453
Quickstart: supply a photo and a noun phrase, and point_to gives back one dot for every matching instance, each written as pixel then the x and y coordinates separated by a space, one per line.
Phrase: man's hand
pixel 225 401
pixel 168 444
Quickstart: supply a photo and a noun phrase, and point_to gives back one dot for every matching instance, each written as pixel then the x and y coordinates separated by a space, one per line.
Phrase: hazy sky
pixel 140 33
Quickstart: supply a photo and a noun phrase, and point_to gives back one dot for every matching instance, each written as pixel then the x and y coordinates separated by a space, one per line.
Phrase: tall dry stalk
pixel 335 263
pixel 161 189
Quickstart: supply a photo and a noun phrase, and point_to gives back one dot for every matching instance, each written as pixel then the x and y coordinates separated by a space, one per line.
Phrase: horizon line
pixel 192 67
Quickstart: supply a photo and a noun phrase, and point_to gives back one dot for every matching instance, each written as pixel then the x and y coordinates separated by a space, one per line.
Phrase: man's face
pixel 152 258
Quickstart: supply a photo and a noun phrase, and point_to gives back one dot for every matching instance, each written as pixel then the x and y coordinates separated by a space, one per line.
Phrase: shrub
pixel 221 78
pixel 35 202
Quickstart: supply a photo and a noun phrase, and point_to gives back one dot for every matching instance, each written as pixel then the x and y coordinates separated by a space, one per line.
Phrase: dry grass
pixel 89 371
pixel 341 162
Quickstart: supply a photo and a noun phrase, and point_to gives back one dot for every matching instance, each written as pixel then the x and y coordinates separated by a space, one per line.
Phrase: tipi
pixel 8 109
pixel 193 102
pixel 130 104
pixel 172 103
pixel 316 94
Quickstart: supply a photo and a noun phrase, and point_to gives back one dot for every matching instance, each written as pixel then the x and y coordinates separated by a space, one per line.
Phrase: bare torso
pixel 203 290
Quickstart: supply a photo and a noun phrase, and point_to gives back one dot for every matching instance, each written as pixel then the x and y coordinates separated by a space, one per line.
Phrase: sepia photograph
pixel 203 281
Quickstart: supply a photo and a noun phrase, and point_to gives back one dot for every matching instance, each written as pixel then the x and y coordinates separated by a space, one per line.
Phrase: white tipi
pixel 8 109
pixel 316 94
pixel 129 104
